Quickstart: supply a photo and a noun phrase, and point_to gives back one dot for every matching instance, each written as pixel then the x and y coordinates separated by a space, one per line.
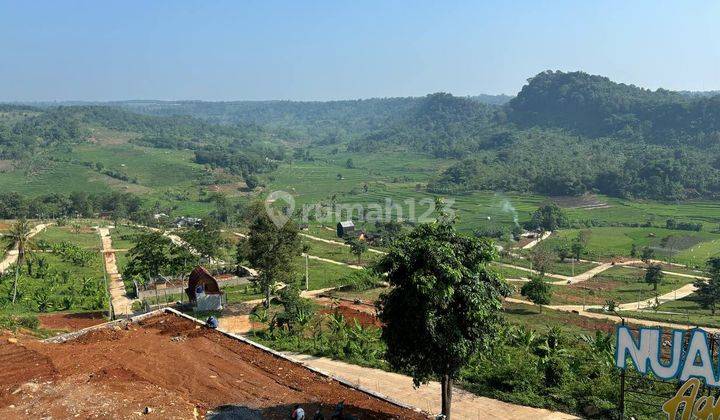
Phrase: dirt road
pixel 122 305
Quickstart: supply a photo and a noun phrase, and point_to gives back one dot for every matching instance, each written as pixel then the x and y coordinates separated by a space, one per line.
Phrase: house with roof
pixel 345 228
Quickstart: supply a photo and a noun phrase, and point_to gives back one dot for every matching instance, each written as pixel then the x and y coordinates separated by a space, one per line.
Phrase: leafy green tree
pixel 634 250
pixel 537 290
pixel 708 291
pixel 357 247
pixel 647 254
pixel 577 248
pixel 654 275
pixel 252 182
pixel 563 250
pixel 119 214
pixel 270 249
pixel 206 238
pixel 444 304
pixel 549 217
pixel 541 259
pixel 349 164
pixel 297 310
pixel 149 256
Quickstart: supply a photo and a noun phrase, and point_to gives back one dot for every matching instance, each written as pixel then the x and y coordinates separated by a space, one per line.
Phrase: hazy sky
pixel 233 50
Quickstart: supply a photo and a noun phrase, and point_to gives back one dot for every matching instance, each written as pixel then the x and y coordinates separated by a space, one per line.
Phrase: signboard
pixel 686 356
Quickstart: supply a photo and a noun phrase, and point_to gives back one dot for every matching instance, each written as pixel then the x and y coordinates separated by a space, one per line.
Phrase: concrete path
pixel 579 310
pixel 354 267
pixel 680 293
pixel 314 257
pixel 427 397
pixel 564 279
pixel 328 241
pixel 12 255
pixel 122 305
pixel 588 274
pixel 532 243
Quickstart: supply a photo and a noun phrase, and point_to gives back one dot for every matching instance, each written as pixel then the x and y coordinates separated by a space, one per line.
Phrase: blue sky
pixel 234 50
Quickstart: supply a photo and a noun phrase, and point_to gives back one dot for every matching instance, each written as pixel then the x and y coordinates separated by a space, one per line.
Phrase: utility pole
pixel 307 276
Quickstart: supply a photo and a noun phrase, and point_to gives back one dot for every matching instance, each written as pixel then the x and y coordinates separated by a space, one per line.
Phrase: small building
pixel 203 290
pixel 186 221
pixel 345 228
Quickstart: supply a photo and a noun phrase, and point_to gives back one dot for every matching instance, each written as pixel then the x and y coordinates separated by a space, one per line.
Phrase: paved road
pixel 328 241
pixel 355 267
pixel 532 243
pixel 427 397
pixel 578 309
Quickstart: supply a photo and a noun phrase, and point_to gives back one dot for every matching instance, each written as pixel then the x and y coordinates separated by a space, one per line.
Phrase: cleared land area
pixel 172 365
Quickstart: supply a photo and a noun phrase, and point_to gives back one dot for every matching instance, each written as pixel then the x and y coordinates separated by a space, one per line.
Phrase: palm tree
pixel 19 236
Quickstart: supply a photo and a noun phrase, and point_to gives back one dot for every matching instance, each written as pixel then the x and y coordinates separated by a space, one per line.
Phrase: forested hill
pixel 316 121
pixel 441 124
pixel 595 106
pixel 240 148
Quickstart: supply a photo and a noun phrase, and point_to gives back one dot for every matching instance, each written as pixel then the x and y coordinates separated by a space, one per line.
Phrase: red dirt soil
pixel 71 322
pixel 350 314
pixel 364 313
pixel 170 364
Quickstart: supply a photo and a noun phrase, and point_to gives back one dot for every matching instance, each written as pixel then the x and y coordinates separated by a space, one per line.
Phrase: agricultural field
pixel 619 284
pixel 683 311
pixel 81 235
pixel 566 268
pixel 339 253
pixel 122 236
pixel 322 274
pixel 530 316
pixel 686 247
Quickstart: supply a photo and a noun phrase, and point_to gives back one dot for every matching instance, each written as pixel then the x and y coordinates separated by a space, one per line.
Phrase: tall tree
pixel 444 305
pixel 541 259
pixel 537 290
pixel 270 249
pixel 549 217
pixel 206 238
pixel 708 291
pixel 19 236
pixel 149 256
pixel 654 275
pixel 577 247
pixel 357 247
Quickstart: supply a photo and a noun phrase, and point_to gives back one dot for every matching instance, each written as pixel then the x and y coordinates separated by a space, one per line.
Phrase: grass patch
pixel 621 284
pixel 85 236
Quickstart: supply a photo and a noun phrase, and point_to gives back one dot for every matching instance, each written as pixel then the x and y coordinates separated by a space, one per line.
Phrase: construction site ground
pixel 171 365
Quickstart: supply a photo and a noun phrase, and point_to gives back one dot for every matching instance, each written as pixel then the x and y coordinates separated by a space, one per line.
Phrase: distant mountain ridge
pixel 596 106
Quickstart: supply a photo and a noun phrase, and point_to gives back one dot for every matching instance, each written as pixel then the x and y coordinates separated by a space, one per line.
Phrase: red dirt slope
pixel 171 365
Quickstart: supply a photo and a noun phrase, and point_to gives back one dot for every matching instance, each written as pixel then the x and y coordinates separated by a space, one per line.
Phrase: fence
pixel 179 289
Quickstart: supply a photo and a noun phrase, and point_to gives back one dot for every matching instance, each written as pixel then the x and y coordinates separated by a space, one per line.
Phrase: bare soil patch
pixel 6 165
pixel 71 322
pixel 172 365
pixel 587 201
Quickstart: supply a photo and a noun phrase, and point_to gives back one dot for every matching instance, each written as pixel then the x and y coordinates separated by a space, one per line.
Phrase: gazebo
pixel 203 290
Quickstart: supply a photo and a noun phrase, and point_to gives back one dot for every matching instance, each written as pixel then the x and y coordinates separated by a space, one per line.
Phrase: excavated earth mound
pixel 166 366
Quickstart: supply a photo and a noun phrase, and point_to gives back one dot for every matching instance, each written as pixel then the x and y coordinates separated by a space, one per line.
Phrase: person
pixel 339 414
pixel 298 413
pixel 212 322
pixel 318 414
